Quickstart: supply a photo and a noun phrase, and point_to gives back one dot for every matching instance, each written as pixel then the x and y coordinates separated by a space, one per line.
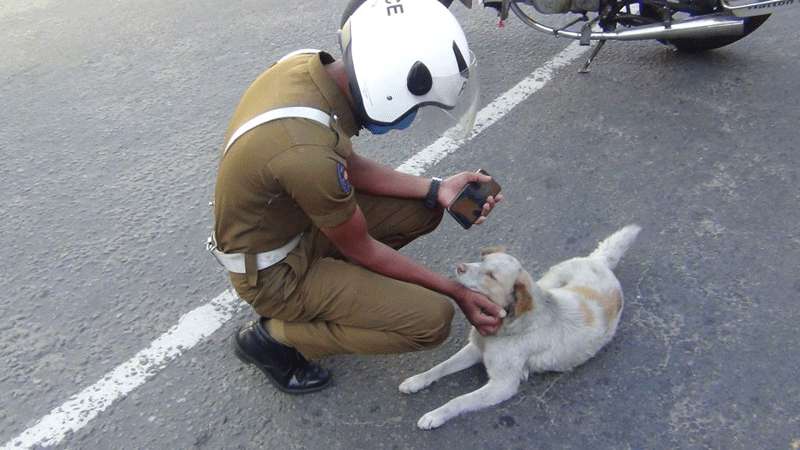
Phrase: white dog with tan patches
pixel 554 324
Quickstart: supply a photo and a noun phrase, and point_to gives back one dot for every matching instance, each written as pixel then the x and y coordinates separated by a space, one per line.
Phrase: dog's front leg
pixel 494 392
pixel 468 356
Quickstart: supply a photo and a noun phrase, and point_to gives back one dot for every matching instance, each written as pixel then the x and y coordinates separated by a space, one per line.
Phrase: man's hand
pixel 451 186
pixel 481 312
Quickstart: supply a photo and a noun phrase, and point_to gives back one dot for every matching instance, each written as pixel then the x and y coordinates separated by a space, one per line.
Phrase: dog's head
pixel 501 278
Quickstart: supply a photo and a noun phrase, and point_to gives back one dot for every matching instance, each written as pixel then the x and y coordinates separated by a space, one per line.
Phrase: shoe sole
pixel 245 358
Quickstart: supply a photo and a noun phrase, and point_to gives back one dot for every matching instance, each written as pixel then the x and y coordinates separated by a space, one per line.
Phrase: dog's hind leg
pixel 494 392
pixel 466 357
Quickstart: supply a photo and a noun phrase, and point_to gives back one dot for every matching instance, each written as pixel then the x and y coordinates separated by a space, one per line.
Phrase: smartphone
pixel 466 208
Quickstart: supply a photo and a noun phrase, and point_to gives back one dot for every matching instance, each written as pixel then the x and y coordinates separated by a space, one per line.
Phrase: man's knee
pixel 436 326
pixel 398 221
pixel 434 218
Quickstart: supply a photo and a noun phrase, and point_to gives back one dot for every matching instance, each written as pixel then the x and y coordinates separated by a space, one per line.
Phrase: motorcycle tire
pixel 697 45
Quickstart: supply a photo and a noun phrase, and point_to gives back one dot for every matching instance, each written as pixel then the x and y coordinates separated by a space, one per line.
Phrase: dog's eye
pixel 491 275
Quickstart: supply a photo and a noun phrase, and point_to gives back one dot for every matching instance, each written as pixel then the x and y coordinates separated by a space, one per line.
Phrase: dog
pixel 554 324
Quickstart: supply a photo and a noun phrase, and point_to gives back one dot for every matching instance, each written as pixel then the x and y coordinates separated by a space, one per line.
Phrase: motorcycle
pixel 687 25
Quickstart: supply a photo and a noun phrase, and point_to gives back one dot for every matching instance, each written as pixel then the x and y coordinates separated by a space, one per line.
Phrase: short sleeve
pixel 316 178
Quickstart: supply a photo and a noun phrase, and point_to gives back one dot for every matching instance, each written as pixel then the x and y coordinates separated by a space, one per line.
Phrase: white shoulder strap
pixel 301 112
pixel 302 51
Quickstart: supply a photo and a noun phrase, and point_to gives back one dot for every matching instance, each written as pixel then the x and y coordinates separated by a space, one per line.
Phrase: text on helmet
pixel 395 7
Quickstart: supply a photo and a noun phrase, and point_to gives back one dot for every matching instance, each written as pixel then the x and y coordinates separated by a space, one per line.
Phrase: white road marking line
pixel 86 405
pixel 201 322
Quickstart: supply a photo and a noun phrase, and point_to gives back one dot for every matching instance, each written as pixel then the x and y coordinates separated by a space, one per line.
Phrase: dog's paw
pixel 413 384
pixel 431 420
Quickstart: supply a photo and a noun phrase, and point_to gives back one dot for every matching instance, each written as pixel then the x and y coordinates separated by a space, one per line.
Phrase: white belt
pixel 234 262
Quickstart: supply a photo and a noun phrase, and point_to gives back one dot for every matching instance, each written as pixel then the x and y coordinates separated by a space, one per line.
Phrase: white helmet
pixel 401 55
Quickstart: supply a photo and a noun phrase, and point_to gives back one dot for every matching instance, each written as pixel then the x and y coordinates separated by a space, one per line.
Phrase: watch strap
pixel 431 199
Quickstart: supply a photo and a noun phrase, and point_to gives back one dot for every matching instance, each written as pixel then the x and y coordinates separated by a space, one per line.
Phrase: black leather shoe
pixel 288 370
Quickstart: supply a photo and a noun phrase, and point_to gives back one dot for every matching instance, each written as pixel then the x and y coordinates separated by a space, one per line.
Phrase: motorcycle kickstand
pixel 592 55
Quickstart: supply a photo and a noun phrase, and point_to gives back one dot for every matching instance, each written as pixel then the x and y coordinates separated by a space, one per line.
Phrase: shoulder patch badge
pixel 344 182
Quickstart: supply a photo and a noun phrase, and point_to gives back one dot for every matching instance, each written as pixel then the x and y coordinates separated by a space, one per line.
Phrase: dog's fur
pixel 554 324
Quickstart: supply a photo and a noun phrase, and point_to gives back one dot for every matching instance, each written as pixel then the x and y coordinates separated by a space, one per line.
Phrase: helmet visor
pixel 451 110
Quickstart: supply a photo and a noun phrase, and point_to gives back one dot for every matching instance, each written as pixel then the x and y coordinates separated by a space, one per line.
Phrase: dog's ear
pixel 493 249
pixel 523 298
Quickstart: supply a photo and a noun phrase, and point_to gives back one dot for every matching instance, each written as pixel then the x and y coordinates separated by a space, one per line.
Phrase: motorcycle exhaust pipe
pixel 713 25
pixel 695 27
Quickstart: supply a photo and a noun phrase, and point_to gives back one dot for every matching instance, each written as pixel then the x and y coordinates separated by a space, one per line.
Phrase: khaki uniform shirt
pixel 283 176
pixel 288 176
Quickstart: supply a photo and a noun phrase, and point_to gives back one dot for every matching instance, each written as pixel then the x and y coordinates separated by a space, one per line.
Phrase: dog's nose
pixel 461 268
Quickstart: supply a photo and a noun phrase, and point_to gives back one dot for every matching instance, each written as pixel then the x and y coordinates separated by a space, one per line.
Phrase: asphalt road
pixel 111 121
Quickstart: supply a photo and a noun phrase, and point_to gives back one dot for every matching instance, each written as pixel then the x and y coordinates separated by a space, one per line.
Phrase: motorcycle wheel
pixel 698 45
pixel 701 45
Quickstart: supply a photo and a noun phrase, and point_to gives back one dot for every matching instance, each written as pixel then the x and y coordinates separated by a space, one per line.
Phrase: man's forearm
pixel 383 259
pixel 376 179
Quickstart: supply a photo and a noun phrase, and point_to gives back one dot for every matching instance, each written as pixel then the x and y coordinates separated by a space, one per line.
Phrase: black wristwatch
pixel 432 199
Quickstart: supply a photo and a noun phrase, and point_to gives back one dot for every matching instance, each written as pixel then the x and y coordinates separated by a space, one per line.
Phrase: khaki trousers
pixel 323 305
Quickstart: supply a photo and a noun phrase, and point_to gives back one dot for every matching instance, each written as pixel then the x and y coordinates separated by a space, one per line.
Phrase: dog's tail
pixel 611 249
